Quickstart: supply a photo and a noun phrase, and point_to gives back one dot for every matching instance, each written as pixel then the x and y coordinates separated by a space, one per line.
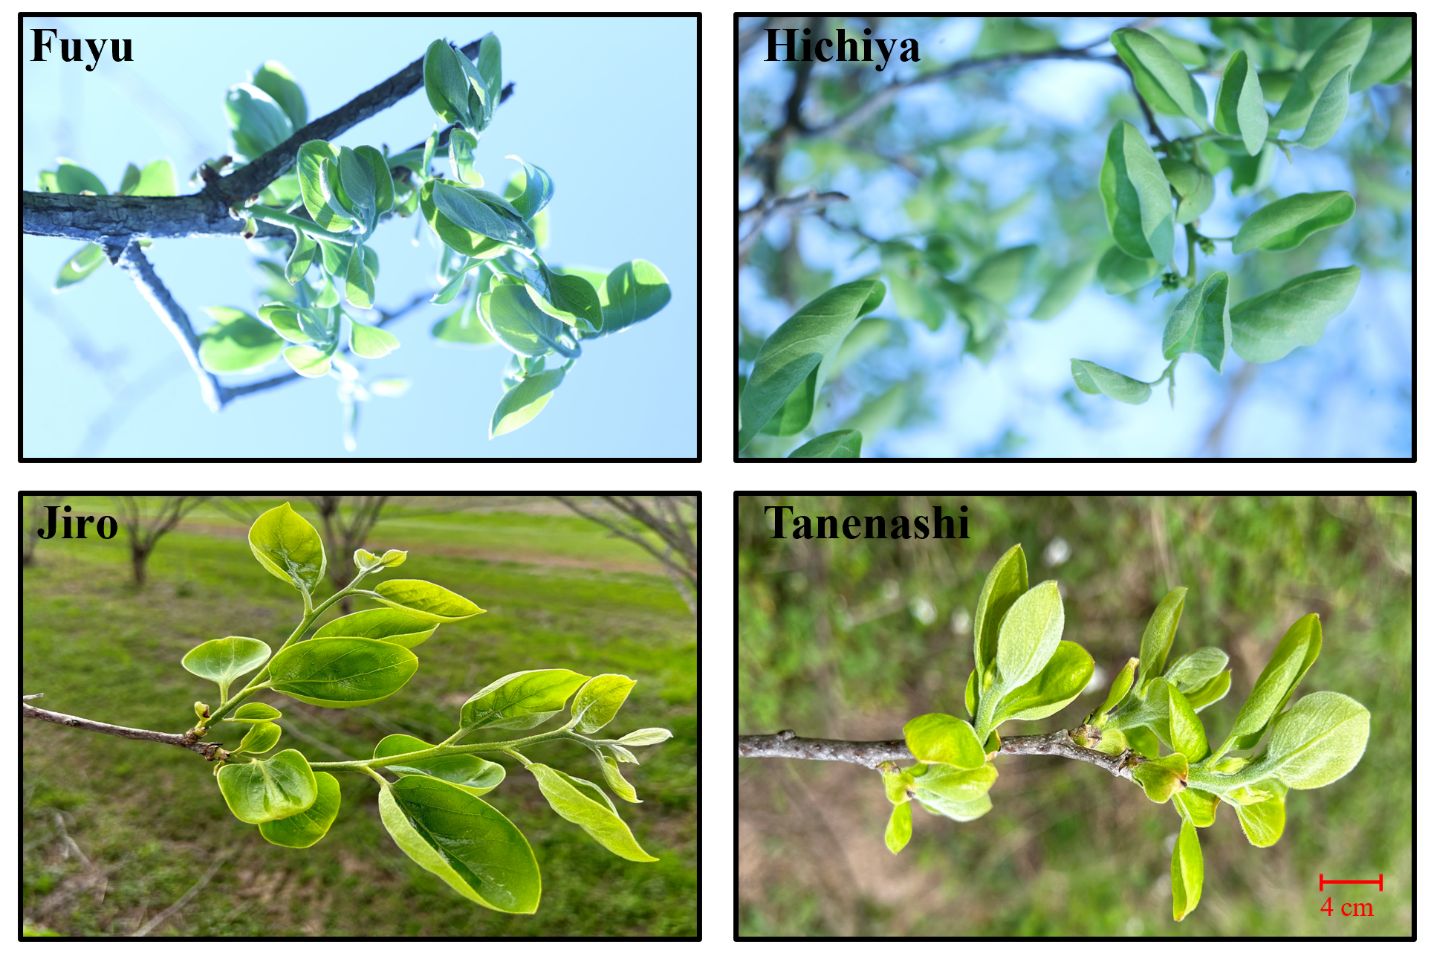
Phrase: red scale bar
pixel 1322 882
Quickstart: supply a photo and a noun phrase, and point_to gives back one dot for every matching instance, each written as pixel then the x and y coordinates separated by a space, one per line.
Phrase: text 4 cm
pixel 1346 909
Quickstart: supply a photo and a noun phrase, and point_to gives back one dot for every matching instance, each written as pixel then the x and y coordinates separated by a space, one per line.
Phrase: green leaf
pixel 1120 273
pixel 518 324
pixel 1062 679
pixel 842 443
pixel 1388 52
pixel 463 841
pixel 253 713
pixel 1211 692
pixel 1161 777
pixel 1193 185
pixel 1262 811
pixel 72 179
pixel 961 795
pixel 445 82
pixel 1065 286
pixel 308 361
pixel 524 401
pixel 225 659
pixel 381 624
pixel 369 341
pixel 425 600
pixel 305 251
pixel 489 75
pixel 1294 656
pixel 1028 635
pixel 468 771
pixel 273 789
pixel 1159 76
pixel 258 122
pixel 1342 50
pixel 1136 198
pixel 1240 110
pixel 1318 740
pixel 288 547
pixel 598 701
pixel 286 321
pixel 1197 670
pixel 359 279
pixel 611 773
pixel 999 277
pixel 236 342
pixel 792 358
pixel 1185 730
pixel 464 327
pixel 155 179
pixel 1328 113
pixel 382 178
pixel 1187 872
pixel 341 671
pixel 78 266
pixel 304 829
pixel 899 829
pixel 1158 636
pixel 598 819
pixel 1197 806
pixel 1117 690
pixel 260 739
pixel 1093 379
pixel 632 292
pixel 312 188
pixel 942 739
pixel 645 737
pixel 1199 322
pixel 521 700
pixel 535 190
pixel 275 80
pixel 482 213
pixel 1005 583
pixel 1266 327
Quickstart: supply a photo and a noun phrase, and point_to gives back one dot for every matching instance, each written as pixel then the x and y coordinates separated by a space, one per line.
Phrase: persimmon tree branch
pixel 186 741
pixel 872 753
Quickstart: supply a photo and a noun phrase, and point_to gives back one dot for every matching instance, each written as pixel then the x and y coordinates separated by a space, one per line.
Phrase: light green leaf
pixel 1193 185
pixel 1067 283
pixel 273 789
pixel 842 443
pixel 790 361
pixel 1093 379
pixel 611 773
pixel 942 739
pixel 359 280
pixel 72 179
pixel 646 737
pixel 312 188
pixel 961 795
pixel 1187 872
pixel 381 624
pixel 445 83
pixel 1196 670
pixel 382 178
pixel 1000 276
pixel 225 659
pixel 1185 730
pixel 80 265
pixel 1161 777
pixel 275 80
pixel 1240 110
pixel 1158 636
pixel 632 292
pixel 1159 76
pixel 1262 811
pixel 468 771
pixel 1318 740
pixel 520 325
pixel 425 600
pixel 288 547
pixel 1199 322
pixel 155 179
pixel 1328 113
pixel 1197 806
pixel 341 671
pixel 535 190
pixel 1211 692
pixel 254 712
pixel 524 401
pixel 258 122
pixel 1117 690
pixel 308 361
pixel 598 701
pixel 1266 327
pixel 521 700
pixel 1387 53
pixel 463 841
pixel 369 341
pixel 598 819
pixel 304 829
pixel 899 829
pixel 1028 635
pixel 1340 51
pixel 1120 273
pixel 482 213
pixel 260 739
pixel 1005 583
pixel 1062 679
pixel 301 259
pixel 236 342
pixel 1136 197
pixel 1294 656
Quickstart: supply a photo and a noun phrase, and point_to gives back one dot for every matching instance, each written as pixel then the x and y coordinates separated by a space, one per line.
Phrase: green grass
pixel 149 821
pixel 850 639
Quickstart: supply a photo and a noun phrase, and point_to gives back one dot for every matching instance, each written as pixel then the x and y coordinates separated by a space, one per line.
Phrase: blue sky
pixel 605 105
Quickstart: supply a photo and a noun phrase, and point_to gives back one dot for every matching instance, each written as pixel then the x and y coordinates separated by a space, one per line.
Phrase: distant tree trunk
pixel 144 529
pixel 34 519
pixel 347 522
pixel 664 526
pixel 139 566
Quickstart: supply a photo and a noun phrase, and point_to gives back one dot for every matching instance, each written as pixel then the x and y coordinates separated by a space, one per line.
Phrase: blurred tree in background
pixel 849 639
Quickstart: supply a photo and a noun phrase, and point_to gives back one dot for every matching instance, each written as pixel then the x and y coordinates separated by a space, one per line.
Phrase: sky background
pixel 1347 396
pixel 606 106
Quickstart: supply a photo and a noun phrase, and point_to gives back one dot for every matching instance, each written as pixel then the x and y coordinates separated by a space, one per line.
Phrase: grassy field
pixel 115 831
pixel 848 639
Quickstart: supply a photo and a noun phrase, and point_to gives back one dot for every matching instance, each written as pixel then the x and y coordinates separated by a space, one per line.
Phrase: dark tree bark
pixel 347 522
pixel 144 529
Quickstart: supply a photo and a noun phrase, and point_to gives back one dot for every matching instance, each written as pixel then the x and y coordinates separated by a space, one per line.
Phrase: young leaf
pixel 463 841
pixel 1387 53
pixel 598 701
pixel 225 659
pixel 1193 185
pixel 1028 635
pixel 1064 288
pixel 646 737
pixel 275 80
pixel 468 771
pixel 1262 811
pixel 425 600
pixel 1158 636
pixel 288 547
pixel 1199 322
pixel 611 773
pixel 483 214
pixel 1211 692
pixel 307 361
pixel 1161 777
pixel 1295 654
pixel 599 820
pixel 899 829
pixel 80 265
pixel 1185 730
pixel 272 789
pixel 258 122
pixel 1005 583
pixel 1121 274
pixel 236 342
pixel 369 341
pixel 535 191
pixel 254 713
pixel 1266 327
pixel 961 795
pixel 1187 872
pixel 999 277
pixel 1136 197
pixel 942 739
pixel 1287 223
pixel 312 188
pixel 1193 672
pixel 844 443
pixel 1318 740
pixel 306 828
pixel 521 700
pixel 381 624
pixel 1342 50
pixel 1328 113
pixel 445 82
pixel 1159 76
pixel 260 739
pixel 1197 806
pixel 1093 379
pixel 791 359
pixel 1240 110
pixel 524 401
pixel 341 671
pixel 1062 679
pixel 1117 690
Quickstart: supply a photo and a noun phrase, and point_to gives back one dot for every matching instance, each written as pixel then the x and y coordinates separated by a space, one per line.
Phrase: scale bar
pixel 1323 882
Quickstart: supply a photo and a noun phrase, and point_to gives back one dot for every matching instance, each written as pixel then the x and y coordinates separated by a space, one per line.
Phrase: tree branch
pixel 768 209
pixel 209 751
pixel 872 753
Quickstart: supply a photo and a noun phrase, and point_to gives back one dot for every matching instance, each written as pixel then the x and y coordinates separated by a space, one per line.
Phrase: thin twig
pixel 770 209
pixel 872 753
pixel 183 741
